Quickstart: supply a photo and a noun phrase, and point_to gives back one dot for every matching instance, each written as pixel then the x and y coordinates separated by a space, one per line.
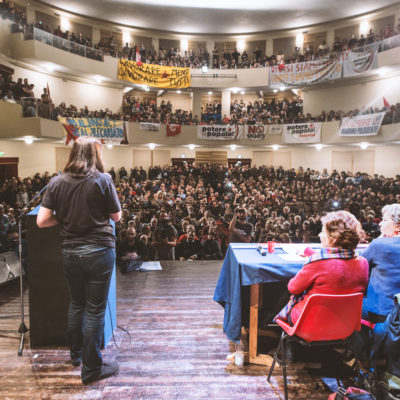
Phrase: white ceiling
pixel 219 16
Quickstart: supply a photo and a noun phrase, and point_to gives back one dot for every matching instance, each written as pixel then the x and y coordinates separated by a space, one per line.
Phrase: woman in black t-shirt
pixel 84 199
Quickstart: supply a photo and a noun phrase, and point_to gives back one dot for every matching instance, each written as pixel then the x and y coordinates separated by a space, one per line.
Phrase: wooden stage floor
pixel 177 348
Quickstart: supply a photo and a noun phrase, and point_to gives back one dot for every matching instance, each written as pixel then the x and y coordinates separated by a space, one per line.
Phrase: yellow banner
pixel 158 76
pixel 108 131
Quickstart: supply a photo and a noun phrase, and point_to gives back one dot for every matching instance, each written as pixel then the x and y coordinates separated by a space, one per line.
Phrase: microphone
pixel 261 250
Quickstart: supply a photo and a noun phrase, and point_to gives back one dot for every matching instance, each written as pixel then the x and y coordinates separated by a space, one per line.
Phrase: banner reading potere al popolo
pixel 154 75
pixel 302 133
pixel 305 73
pixel 219 132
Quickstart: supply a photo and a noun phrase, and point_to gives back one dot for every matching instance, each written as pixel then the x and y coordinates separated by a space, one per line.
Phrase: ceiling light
pixel 242 92
pixel 126 37
pixel 64 24
pixel 192 146
pixel 282 88
pixel 382 71
pixel 240 45
pixel 275 147
pixel 50 67
pixel 233 146
pixel 110 146
pixel 98 78
pixel 209 92
pixel 28 139
pixel 147 89
pixel 152 146
pixel 235 90
pixel 275 90
pixel 364 27
pixel 319 146
pixel 300 40
pixel 364 145
pixel 178 91
pixel 184 45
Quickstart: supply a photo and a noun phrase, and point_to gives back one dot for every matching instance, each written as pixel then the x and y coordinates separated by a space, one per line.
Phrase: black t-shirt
pixel 245 229
pixel 83 206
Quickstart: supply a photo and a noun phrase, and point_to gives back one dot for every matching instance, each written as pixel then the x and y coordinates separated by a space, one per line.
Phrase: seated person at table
pixel 334 269
pixel 383 256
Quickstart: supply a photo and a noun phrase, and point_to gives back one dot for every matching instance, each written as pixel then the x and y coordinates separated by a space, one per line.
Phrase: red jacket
pixel 332 276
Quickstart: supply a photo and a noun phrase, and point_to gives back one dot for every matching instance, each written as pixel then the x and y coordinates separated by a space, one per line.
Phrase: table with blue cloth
pixel 245 266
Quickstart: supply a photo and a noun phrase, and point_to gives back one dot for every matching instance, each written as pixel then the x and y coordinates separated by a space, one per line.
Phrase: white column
pixel 30 15
pixel 330 38
pixel 196 103
pixel 269 47
pixel 96 35
pixel 226 102
pixel 183 46
pixel 210 47
pixel 156 43
pixel 396 21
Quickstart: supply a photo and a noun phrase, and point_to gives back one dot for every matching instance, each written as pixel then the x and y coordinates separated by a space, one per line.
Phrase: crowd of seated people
pixel 183 204
pixel 189 212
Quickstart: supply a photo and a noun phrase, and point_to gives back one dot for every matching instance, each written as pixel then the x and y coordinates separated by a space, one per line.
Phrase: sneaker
pixel 107 370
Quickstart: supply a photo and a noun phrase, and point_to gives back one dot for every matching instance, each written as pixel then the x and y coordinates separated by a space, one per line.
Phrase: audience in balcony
pixel 146 110
pixel 197 58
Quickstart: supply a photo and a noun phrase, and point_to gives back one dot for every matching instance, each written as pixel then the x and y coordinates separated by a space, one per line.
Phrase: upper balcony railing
pixel 31 32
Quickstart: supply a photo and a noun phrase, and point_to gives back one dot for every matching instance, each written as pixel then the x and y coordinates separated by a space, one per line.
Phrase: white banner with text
pixel 149 126
pixel 361 125
pixel 219 132
pixel 302 133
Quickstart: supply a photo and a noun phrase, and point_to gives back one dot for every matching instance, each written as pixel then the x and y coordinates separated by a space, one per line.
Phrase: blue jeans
pixel 88 269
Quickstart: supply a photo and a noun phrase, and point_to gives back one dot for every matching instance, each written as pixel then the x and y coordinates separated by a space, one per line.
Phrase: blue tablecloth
pixel 243 266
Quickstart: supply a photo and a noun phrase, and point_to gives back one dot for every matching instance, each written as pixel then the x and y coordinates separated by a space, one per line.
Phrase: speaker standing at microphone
pixel 84 199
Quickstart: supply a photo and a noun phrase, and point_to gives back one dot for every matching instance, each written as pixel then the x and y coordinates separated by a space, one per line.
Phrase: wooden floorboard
pixel 176 349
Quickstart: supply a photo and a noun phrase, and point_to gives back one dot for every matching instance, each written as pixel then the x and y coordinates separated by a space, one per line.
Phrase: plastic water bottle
pixel 239 355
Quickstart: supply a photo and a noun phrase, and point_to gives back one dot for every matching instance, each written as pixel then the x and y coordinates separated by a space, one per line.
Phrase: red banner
pixel 173 129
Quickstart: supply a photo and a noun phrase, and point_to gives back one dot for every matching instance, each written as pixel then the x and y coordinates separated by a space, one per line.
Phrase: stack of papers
pixel 150 266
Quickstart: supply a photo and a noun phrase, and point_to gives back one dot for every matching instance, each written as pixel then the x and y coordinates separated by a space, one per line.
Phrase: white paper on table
pixel 293 257
pixel 150 266
pixel 293 248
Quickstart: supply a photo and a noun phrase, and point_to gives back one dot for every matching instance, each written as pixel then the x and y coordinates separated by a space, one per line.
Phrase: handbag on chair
pixel 351 393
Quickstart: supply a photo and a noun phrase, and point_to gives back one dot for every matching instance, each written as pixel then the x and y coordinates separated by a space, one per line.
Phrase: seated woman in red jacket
pixel 334 269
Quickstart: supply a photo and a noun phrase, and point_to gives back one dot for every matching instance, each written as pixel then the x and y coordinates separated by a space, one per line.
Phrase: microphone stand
pixel 22 327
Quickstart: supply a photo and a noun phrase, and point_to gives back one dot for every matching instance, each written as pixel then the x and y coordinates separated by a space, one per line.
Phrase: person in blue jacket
pixel 383 255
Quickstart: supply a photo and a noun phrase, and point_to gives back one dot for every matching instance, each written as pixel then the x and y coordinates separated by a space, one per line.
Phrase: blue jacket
pixel 383 255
